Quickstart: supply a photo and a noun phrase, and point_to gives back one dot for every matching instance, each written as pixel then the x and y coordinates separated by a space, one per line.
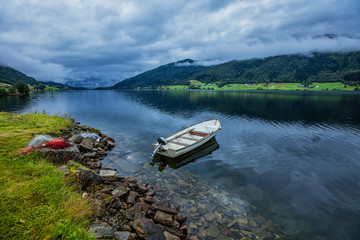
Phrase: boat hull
pixel 205 149
pixel 189 138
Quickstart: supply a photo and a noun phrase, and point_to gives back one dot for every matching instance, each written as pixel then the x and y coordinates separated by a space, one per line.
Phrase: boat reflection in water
pixel 202 151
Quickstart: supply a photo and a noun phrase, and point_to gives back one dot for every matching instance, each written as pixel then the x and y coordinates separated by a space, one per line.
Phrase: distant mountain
pixel 11 76
pixel 169 74
pixel 90 83
pixel 317 67
pixel 314 67
pixel 62 86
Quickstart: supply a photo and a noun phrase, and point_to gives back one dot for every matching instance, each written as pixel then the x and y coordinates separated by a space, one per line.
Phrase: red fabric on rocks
pixel 56 144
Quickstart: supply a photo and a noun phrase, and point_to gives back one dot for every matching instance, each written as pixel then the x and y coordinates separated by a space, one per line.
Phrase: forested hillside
pixel 11 76
pixel 317 67
pixel 174 73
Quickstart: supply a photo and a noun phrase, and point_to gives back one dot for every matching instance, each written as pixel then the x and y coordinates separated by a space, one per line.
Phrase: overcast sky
pixel 116 39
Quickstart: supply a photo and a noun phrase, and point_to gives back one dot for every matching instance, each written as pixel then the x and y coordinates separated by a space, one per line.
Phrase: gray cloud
pixel 112 40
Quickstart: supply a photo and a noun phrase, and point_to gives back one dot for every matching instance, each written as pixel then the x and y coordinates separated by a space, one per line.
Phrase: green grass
pixel 333 86
pixel 336 86
pixel 194 82
pixel 177 87
pixel 51 88
pixel 5 85
pixel 36 202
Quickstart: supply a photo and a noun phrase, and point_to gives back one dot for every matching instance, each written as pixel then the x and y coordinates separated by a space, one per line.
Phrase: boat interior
pixel 186 139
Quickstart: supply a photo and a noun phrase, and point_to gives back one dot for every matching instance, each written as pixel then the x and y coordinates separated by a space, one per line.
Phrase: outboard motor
pixel 162 141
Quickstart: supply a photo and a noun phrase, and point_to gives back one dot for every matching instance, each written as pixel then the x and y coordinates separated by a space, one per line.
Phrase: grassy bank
pixel 335 86
pixel 35 201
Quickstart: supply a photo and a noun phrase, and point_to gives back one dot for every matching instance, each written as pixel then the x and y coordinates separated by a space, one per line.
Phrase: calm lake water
pixel 288 164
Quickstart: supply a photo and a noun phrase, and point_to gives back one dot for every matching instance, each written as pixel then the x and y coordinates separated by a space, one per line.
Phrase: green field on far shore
pixel 333 86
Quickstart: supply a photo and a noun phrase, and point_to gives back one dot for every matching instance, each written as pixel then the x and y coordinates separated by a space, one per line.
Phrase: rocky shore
pixel 122 208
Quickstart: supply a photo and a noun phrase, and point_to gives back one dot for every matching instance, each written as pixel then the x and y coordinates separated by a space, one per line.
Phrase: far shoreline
pixel 325 92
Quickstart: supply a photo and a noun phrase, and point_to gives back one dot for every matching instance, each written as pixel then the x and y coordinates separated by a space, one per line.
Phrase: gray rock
pixel 129 213
pixel 108 175
pixel 122 235
pixel 193 238
pixel 181 233
pixel 132 197
pixel 129 179
pixel 102 230
pixel 110 144
pixel 95 165
pixel 64 169
pixel 149 199
pixel 163 218
pixel 120 192
pixel 98 208
pixel 180 218
pixel 101 153
pixel 151 191
pixel 76 138
pixel 138 211
pixel 89 178
pixel 169 236
pixel 141 206
pixel 117 205
pixel 110 139
pixel 165 209
pixel 61 156
pixel 86 145
pixel 89 155
pixel 86 176
pixel 84 148
pixel 115 192
pixel 149 228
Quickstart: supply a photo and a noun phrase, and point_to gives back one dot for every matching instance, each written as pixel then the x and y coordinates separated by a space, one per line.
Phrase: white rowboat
pixel 186 139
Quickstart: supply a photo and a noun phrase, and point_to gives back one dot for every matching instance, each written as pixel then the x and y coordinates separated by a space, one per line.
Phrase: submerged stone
pixel 213 231
pixel 210 216
pixel 169 236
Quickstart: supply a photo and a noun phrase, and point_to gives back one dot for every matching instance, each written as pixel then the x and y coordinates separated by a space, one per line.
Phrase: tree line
pixel 19 88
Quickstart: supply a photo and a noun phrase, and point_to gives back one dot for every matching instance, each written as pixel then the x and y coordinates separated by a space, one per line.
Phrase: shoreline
pixel 279 91
pixel 121 207
pixel 128 206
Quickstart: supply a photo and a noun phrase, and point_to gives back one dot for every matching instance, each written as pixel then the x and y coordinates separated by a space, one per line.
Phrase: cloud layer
pixel 112 40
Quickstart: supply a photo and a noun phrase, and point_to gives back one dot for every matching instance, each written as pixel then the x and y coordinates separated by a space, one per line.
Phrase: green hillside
pixel 11 76
pixel 320 67
pixel 172 73
pixel 62 86
pixel 302 69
